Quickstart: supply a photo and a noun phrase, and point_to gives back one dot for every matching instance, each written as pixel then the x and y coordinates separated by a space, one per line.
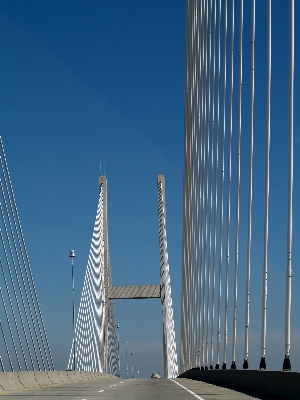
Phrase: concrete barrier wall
pixel 41 377
pixel 275 383
pixel 27 379
pixel 20 380
pixel 10 381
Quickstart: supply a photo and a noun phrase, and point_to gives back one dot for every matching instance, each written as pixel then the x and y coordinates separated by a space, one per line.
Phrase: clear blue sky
pixel 84 82
pixel 90 82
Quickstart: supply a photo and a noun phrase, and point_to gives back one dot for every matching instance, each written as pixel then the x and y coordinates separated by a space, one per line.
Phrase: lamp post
pixel 118 327
pixel 131 367
pixel 72 255
pixel 126 361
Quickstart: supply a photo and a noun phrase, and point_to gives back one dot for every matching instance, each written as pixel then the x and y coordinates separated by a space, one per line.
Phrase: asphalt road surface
pixel 136 389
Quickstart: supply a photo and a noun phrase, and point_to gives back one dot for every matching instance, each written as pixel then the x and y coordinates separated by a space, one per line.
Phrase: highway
pixel 136 389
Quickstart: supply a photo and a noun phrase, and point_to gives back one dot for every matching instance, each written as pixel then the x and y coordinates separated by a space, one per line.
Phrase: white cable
pixel 215 186
pixel 222 186
pixel 250 177
pixel 238 181
pixel 286 363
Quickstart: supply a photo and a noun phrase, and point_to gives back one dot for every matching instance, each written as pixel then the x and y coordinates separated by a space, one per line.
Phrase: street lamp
pixel 72 255
pixel 126 360
pixel 118 326
pixel 131 366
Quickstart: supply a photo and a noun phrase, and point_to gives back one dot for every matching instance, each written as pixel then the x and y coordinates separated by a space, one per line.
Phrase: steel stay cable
pixel 215 184
pixel 202 179
pixel 238 178
pixel 89 302
pixel 185 280
pixel 202 167
pixel 210 166
pixel 16 273
pixel 17 302
pixel 286 362
pixel 266 199
pixel 10 330
pixel 228 191
pixel 197 123
pixel 18 283
pixel 20 248
pixel 13 313
pixel 90 336
pixel 222 188
pixel 27 264
pixel 206 179
pixel 192 190
pixel 6 348
pixel 170 319
pixel 250 188
pixel 19 264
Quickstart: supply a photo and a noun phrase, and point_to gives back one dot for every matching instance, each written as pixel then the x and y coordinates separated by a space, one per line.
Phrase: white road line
pixel 101 391
pixel 188 390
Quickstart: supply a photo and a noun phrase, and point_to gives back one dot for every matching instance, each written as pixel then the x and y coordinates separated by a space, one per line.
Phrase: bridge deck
pixel 137 389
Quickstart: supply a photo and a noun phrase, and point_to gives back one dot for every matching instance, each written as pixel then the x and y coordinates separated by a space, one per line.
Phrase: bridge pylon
pixel 95 328
pixel 97 347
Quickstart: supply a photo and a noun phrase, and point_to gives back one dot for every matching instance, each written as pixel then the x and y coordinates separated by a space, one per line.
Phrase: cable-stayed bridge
pixel 95 346
pixel 221 70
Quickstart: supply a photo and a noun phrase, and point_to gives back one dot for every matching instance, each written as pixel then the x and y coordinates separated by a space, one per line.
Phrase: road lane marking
pixel 188 390
pixel 101 391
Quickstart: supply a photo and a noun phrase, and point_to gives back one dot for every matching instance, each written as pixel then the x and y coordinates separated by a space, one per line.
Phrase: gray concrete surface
pixel 137 389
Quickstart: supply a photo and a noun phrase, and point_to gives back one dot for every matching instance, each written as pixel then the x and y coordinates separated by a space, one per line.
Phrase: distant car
pixel 155 375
